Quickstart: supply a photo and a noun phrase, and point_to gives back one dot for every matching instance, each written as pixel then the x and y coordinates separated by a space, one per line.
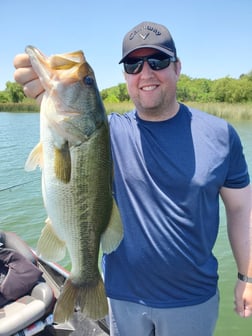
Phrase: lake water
pixel 22 208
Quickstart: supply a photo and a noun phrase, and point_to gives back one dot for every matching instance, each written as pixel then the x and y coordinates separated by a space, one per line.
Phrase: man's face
pixel 152 91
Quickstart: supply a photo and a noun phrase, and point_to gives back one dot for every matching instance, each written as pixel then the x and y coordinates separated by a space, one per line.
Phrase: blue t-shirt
pixel 167 179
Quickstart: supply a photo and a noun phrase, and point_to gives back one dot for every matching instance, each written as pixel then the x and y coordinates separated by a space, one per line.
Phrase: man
pixel 171 163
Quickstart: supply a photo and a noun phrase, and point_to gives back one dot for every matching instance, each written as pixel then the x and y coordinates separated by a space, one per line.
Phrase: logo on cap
pixel 143 34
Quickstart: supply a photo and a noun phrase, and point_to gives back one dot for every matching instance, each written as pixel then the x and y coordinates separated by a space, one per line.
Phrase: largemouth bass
pixel 75 159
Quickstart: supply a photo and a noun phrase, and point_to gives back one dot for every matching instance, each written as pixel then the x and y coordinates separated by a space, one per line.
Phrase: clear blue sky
pixel 213 37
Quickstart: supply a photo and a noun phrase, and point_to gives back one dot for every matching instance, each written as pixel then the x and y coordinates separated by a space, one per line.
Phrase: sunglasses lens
pixel 133 65
pixel 158 64
pixel 158 61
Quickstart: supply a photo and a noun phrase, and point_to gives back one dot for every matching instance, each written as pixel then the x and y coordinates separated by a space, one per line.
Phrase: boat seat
pixel 21 313
pixel 12 241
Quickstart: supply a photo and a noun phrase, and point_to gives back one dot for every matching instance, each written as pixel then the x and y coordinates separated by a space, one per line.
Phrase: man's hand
pixel 27 77
pixel 243 298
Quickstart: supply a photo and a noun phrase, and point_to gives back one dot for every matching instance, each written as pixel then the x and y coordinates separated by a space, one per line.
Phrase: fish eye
pixel 88 80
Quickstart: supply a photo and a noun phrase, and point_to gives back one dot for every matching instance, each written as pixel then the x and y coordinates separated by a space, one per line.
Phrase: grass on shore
pixel 236 111
pixel 19 107
pixel 226 111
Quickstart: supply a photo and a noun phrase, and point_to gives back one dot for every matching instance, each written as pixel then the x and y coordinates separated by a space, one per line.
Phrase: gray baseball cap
pixel 148 35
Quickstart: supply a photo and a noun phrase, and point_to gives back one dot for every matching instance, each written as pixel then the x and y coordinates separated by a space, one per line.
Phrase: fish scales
pixel 75 159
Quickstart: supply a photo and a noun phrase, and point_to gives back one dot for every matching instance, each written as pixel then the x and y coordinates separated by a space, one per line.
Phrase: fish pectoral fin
pixel 113 235
pixel 90 297
pixel 35 158
pixel 62 163
pixel 49 245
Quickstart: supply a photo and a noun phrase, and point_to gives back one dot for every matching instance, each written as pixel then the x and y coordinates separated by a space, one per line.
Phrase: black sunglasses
pixel 159 61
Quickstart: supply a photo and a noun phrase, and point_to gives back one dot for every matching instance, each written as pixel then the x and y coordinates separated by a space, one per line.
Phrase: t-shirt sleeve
pixel 237 175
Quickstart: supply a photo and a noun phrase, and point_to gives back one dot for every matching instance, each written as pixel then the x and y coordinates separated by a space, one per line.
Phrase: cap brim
pixel 164 50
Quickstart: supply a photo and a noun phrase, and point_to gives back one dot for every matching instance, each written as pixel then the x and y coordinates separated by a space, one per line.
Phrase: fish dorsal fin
pixel 62 163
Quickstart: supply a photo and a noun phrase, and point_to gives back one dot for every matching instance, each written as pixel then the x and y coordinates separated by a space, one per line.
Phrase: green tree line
pixel 227 89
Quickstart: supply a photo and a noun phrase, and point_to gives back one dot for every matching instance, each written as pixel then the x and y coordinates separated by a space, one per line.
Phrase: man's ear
pixel 178 66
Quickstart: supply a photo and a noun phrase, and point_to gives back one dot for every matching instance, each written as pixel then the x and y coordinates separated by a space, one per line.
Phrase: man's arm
pixel 238 205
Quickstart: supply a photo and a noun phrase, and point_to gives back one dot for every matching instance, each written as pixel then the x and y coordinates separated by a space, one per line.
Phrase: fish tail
pixel 90 298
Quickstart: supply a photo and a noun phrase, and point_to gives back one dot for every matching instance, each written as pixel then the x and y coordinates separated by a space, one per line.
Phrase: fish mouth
pixel 68 67
pixel 34 52
pixel 40 65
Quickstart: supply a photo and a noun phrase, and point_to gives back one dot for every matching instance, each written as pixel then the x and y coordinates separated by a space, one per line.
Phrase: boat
pixel 32 313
